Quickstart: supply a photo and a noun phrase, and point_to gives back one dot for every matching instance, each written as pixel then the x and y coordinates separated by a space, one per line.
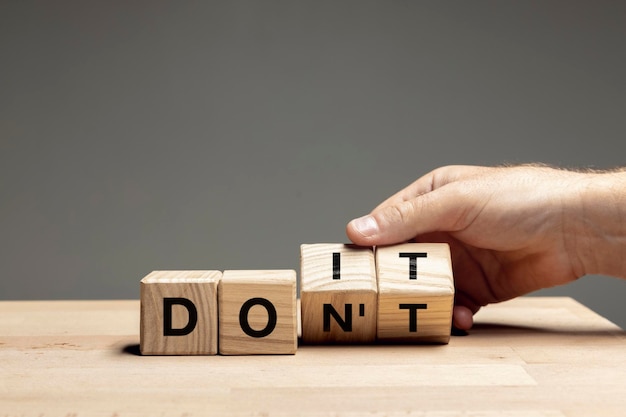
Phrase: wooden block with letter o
pixel 338 293
pixel 415 292
pixel 179 313
pixel 257 312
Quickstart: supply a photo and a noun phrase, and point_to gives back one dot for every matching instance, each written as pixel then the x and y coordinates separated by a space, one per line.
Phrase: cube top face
pixel 173 277
pixel 257 312
pixel 432 268
pixel 179 313
pixel 317 263
pixel 264 277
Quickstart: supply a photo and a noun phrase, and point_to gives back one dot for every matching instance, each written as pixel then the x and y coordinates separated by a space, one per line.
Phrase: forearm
pixel 601 224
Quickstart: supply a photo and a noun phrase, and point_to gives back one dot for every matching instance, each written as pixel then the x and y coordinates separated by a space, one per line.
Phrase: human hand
pixel 511 230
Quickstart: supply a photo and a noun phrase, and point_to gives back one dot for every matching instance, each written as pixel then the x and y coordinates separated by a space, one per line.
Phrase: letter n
pixel 346 325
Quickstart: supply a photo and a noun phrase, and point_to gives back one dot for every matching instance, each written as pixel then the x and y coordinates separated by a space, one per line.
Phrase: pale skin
pixel 511 230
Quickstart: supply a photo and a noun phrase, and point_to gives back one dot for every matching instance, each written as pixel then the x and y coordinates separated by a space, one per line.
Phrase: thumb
pixel 441 210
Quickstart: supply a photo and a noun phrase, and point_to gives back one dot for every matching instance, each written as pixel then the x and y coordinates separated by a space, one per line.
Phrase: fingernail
pixel 366 225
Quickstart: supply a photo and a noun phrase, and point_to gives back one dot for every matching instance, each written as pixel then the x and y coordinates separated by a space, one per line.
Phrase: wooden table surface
pixel 526 357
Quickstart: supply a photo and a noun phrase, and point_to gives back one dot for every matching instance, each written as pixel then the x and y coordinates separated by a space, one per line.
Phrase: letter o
pixel 271 319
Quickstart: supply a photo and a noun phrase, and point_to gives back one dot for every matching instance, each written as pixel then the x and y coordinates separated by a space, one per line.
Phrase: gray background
pixel 221 135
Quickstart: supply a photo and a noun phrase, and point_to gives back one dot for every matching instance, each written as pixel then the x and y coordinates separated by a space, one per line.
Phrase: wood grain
pixel 236 288
pixel 431 289
pixel 351 292
pixel 199 288
pixel 527 357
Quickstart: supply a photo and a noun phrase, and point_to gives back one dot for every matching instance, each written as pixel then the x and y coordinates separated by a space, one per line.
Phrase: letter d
pixel 167 316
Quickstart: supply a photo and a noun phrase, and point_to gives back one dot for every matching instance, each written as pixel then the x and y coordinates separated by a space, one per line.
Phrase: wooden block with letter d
pixel 415 292
pixel 338 293
pixel 179 313
pixel 257 312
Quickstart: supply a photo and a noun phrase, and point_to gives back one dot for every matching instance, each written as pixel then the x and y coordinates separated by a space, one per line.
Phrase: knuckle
pixel 401 213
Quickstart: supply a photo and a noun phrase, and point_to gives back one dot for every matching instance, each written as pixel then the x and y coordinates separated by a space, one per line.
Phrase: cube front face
pixel 338 293
pixel 257 312
pixel 179 313
pixel 415 292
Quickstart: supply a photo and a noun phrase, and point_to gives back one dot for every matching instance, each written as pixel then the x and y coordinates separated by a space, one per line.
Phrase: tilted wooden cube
pixel 179 313
pixel 257 312
pixel 338 293
pixel 415 292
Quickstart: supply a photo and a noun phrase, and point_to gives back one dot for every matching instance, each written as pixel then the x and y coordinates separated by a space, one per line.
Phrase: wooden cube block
pixel 179 313
pixel 257 312
pixel 415 292
pixel 338 293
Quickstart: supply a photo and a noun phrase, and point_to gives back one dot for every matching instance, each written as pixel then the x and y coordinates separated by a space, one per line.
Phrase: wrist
pixel 600 221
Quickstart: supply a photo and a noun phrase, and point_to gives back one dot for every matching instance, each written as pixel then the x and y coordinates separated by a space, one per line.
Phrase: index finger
pixel 429 182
